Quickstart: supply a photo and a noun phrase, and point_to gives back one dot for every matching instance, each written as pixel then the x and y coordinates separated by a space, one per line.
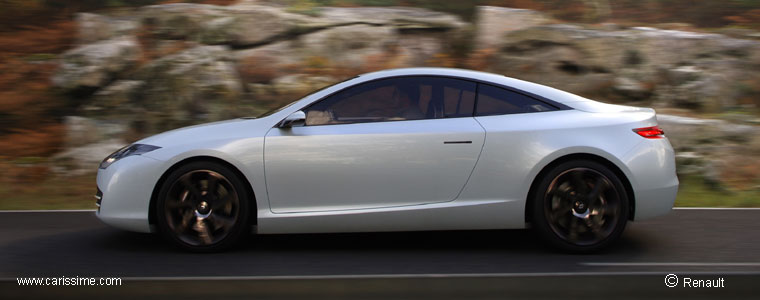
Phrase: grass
pixel 693 192
pixel 55 192
pixel 76 192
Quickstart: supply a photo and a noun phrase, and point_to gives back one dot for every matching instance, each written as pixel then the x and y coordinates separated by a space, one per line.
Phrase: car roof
pixel 534 88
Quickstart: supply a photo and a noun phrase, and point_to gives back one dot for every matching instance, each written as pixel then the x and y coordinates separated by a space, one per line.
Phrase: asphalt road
pixel 697 243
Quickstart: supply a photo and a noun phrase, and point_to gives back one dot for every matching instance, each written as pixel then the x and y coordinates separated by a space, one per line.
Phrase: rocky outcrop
pixel 95 65
pixel 236 25
pixel 671 68
pixel 83 159
pixel 252 24
pixel 345 46
pixel 290 85
pixel 199 83
pixel 195 63
pixel 494 22
pixel 165 66
pixel 94 27
pixel 724 154
pixel 404 18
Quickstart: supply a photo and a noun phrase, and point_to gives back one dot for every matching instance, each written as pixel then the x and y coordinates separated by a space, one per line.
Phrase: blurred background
pixel 80 79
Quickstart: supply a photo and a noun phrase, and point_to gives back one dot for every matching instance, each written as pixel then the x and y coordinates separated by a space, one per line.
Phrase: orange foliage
pixel 28 126
pixel 256 70
pixel 19 177
pixel 51 38
pixel 750 18
pixel 41 141
pixel 26 107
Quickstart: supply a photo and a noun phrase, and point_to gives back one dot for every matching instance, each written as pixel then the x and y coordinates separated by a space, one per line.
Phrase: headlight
pixel 134 149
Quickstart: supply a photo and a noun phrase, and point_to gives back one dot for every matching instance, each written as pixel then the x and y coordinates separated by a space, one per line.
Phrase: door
pixel 392 142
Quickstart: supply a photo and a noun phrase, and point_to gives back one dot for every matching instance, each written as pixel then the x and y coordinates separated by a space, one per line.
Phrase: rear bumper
pixel 126 187
pixel 653 177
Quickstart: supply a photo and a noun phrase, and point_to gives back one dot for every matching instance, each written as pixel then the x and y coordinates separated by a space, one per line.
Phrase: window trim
pixel 478 82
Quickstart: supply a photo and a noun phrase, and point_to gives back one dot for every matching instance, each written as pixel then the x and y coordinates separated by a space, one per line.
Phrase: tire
pixel 580 206
pixel 203 207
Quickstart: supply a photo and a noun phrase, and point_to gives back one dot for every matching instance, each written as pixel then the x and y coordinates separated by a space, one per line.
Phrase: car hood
pixel 228 129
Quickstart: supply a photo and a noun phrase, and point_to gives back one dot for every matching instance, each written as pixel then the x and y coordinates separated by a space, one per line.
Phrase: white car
pixel 400 150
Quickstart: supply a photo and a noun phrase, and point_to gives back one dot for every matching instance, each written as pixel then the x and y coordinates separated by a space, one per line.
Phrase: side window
pixel 395 99
pixel 458 98
pixel 498 101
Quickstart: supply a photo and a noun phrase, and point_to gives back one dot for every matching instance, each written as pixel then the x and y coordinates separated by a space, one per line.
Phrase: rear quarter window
pixel 494 100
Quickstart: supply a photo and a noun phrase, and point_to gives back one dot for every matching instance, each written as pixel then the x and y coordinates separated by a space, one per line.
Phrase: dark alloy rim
pixel 201 207
pixel 582 206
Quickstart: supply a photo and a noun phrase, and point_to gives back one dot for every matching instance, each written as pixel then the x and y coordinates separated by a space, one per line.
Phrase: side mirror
pixel 293 120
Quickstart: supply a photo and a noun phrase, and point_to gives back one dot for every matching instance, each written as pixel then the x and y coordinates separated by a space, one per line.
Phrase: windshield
pixel 277 109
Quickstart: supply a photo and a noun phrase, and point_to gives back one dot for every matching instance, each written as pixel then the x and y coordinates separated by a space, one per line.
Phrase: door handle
pixel 457 142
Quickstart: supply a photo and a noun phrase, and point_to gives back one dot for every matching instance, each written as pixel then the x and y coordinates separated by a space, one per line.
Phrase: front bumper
pixel 126 188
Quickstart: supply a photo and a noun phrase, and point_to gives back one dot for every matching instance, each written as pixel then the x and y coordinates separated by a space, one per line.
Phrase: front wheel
pixel 580 206
pixel 203 207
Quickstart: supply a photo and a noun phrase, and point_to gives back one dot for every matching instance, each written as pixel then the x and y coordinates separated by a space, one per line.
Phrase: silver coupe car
pixel 400 150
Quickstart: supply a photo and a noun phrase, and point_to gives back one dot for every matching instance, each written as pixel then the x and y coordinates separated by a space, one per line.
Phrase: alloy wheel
pixel 582 206
pixel 201 207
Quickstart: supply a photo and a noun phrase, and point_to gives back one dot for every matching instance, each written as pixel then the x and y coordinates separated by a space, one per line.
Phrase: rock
pixel 687 69
pixel 113 109
pixel 711 93
pixel 115 98
pixel 300 84
pixel 197 85
pixel 398 17
pixel 695 131
pixel 358 47
pixel 78 131
pixel 630 88
pixel 82 131
pixel 262 64
pixel 93 27
pixel 610 26
pixel 493 22
pixel 251 24
pixel 689 163
pixel 742 33
pixel 260 90
pixel 711 175
pixel 93 65
pixel 211 24
pixel 722 153
pixel 346 46
pixel 415 50
pixel 83 159
pixel 683 74
pixel 590 50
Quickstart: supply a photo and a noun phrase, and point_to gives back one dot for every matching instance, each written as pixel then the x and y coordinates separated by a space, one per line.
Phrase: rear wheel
pixel 580 206
pixel 203 206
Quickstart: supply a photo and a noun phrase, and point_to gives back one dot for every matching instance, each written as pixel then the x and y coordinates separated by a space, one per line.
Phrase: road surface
pixel 695 243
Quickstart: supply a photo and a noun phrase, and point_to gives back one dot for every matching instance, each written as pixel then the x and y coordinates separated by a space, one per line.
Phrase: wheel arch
pixel 581 156
pixel 205 158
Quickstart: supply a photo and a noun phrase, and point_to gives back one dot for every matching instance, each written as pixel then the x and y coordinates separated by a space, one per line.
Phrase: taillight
pixel 653 132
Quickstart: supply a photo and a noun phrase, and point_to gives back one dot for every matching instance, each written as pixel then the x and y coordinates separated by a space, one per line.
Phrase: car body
pixel 342 167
